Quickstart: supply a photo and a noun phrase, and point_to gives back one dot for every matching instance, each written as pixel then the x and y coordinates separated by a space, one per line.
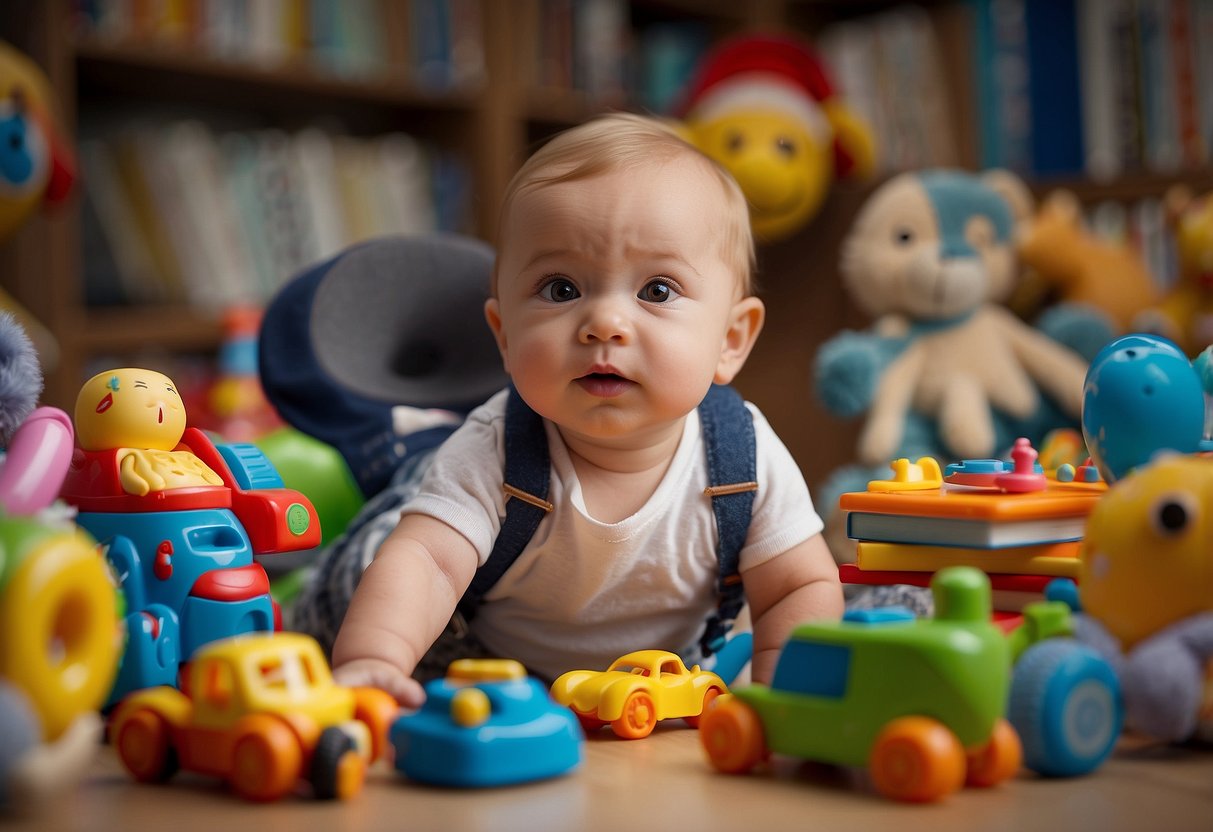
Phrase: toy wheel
pixel 1066 706
pixel 338 770
pixel 731 734
pixel 141 738
pixel 917 759
pixel 709 699
pixel 377 710
pixel 998 760
pixel 639 716
pixel 589 720
pixel 266 760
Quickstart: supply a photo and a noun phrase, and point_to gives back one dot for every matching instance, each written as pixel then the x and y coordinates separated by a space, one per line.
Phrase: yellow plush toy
pixel 764 108
pixel 1185 313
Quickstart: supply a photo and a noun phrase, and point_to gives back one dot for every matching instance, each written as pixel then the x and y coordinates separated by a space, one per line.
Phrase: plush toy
pixel 36 165
pixel 930 256
pixel 764 108
pixel 1065 263
pixel 1147 594
pixel 59 636
pixel 1185 313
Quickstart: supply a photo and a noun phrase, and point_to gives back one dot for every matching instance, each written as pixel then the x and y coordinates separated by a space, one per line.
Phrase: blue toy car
pixel 486 724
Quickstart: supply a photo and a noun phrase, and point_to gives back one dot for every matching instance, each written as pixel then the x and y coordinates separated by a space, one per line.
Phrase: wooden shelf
pixel 126 328
pixel 143 70
pixel 1128 187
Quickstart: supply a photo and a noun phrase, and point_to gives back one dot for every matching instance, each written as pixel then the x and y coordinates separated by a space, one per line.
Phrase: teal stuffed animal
pixel 946 370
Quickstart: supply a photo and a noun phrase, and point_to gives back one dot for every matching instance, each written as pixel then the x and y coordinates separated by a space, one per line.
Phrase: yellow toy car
pixel 636 691
pixel 259 710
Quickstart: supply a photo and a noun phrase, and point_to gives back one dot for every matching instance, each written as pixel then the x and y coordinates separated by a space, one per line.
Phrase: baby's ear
pixel 746 319
pixel 492 314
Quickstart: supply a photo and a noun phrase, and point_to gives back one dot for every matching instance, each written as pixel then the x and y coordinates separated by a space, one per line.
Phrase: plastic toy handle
pixel 37 461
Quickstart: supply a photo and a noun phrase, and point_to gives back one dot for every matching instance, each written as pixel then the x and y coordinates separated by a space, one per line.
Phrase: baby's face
pixel 613 300
pixel 129 408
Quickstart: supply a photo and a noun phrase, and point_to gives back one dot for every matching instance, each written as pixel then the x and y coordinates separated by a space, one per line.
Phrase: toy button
pixel 922 475
pixel 975 471
pixel 162 567
pixel 1024 478
pixel 297 519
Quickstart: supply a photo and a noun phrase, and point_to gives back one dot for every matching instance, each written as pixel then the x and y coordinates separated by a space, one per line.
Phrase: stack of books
pixel 1021 540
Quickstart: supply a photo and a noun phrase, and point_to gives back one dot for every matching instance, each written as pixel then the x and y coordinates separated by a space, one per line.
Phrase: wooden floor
pixel 664 783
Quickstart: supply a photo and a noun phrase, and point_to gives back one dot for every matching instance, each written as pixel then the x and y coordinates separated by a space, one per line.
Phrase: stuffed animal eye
pixel 735 142
pixel 1172 514
pixel 786 147
pixel 903 236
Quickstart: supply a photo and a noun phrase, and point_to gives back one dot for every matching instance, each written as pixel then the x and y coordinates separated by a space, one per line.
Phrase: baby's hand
pixel 377 673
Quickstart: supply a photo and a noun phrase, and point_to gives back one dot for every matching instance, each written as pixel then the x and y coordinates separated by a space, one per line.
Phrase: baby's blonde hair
pixel 618 141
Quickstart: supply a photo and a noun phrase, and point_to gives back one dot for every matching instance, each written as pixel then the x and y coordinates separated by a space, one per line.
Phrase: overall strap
pixel 527 475
pixel 728 437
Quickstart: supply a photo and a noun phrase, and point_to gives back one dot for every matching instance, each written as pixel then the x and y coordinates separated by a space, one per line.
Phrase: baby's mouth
pixel 604 385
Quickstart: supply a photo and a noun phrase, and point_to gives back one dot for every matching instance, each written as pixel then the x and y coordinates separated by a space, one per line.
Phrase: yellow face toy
pixel 1147 558
pixel 782 169
pixel 763 108
pixel 129 408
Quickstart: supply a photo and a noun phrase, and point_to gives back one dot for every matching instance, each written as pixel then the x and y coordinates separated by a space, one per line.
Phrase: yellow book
pixel 1055 559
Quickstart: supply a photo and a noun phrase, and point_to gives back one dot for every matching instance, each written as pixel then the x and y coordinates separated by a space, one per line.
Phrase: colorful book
pixel 850 573
pixel 1058 560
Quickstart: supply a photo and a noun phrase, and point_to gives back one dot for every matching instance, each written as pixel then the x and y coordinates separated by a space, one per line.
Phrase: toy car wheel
pixel 639 716
pixel 731 734
pixel 998 760
pixel 141 738
pixel 338 770
pixel 709 698
pixel 1066 705
pixel 917 759
pixel 589 720
pixel 377 710
pixel 266 759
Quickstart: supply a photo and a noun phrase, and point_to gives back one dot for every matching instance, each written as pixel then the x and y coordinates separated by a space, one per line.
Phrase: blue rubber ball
pixel 1141 396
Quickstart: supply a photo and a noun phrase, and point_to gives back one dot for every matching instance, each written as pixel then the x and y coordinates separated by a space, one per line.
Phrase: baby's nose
pixel 605 320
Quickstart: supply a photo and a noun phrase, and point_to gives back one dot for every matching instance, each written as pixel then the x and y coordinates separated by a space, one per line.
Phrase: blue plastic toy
pixel 180 519
pixel 486 724
pixel 1142 395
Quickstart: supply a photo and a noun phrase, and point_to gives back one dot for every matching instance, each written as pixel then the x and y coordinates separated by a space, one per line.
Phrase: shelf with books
pixel 151 69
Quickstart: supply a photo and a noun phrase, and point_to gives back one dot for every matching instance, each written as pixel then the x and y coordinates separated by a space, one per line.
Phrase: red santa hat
pixel 771 72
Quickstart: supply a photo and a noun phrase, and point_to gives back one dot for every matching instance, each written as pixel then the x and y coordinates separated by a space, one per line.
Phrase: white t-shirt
pixel 583 592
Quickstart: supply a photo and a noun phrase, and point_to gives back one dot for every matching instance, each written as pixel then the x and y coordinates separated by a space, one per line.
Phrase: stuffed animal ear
pixel 854 145
pixel 1011 188
pixel 1064 205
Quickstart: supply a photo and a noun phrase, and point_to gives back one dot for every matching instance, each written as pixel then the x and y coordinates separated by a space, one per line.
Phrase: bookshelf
pixel 491 125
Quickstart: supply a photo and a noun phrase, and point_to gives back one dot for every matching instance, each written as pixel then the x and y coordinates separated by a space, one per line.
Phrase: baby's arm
pixel 402 604
pixel 800 584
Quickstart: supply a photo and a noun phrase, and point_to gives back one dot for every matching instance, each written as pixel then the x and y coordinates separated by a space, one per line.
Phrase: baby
pixel 622 292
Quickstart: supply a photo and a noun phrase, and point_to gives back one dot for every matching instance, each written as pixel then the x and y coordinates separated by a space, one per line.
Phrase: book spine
pixel 1180 30
pixel 1101 142
pixel 1054 88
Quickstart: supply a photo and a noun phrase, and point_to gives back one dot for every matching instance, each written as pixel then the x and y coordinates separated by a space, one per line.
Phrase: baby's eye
pixel 903 236
pixel 559 290
pixel 656 291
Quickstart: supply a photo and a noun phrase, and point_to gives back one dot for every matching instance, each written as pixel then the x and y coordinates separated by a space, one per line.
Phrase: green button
pixel 297 519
